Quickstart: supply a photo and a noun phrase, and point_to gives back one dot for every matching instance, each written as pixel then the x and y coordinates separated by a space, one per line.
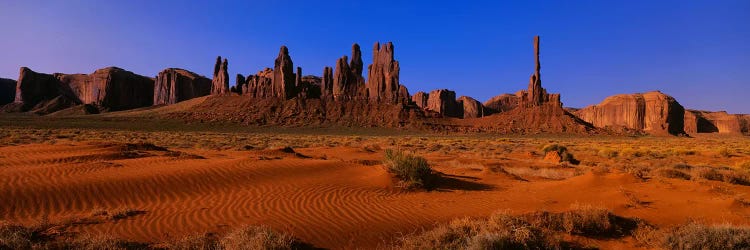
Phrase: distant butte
pixel 342 96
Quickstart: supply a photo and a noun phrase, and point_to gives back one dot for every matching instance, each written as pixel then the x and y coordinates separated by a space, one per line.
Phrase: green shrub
pixel 413 171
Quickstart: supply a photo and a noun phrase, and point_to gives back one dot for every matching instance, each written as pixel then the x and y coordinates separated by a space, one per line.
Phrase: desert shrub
pixel 724 152
pixel 648 236
pixel 500 231
pixel 124 213
pixel 682 166
pixel 745 165
pixel 673 173
pixel 710 174
pixel 698 236
pixel 565 155
pixel 259 237
pixel 413 171
pixel 14 236
pixel 608 153
pixel 587 220
pixel 204 241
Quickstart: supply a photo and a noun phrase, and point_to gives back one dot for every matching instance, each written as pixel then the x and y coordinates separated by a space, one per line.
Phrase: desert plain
pixel 145 183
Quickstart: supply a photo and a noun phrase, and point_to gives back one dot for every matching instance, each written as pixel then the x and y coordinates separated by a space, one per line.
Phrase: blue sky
pixel 696 51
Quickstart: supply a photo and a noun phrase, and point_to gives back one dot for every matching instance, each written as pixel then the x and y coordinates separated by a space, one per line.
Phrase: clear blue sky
pixel 697 51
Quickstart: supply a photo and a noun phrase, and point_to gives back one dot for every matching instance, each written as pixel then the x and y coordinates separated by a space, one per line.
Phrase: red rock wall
pixel 175 85
pixel 652 112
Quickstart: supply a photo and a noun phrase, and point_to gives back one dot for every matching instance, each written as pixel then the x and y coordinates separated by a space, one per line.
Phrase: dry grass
pixel 699 236
pixel 539 230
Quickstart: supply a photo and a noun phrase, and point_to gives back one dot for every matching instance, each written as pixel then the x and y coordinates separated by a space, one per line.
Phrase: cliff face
pixel 652 112
pixel 175 85
pixel 108 88
pixel 7 90
pixel 111 88
pixel 697 121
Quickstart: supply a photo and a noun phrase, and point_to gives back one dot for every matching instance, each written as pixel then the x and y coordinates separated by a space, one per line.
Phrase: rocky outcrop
pixel 239 83
pixel 283 75
pixel 260 85
pixel 348 82
pixel 652 112
pixel 34 90
pixel 383 76
pixel 174 85
pixel 220 82
pixel 298 77
pixel 7 91
pixel 697 121
pixel 309 87
pixel 501 103
pixel 420 99
pixel 471 107
pixel 444 102
pixel 326 83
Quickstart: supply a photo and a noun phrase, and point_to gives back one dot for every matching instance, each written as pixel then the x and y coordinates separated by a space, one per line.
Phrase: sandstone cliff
pixel 7 90
pixel 174 85
pixel 420 99
pixel 501 103
pixel 444 102
pixel 651 112
pixel 471 107
pixel 383 76
pixel 108 89
pixel 698 121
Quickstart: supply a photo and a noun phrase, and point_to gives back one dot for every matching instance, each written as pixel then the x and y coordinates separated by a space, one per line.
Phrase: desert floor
pixel 332 190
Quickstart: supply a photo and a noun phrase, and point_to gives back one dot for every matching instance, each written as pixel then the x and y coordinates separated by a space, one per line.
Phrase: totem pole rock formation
pixel 326 85
pixel 348 82
pixel 283 75
pixel 298 78
pixel 536 95
pixel 240 83
pixel 175 85
pixel 383 76
pixel 220 82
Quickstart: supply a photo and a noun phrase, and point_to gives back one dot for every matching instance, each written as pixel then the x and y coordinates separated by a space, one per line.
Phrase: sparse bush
pixel 587 220
pixel 724 152
pixel 608 153
pixel 745 165
pixel 413 171
pixel 500 231
pixel 124 213
pixel 14 236
pixel 673 173
pixel 698 236
pixel 565 155
pixel 259 237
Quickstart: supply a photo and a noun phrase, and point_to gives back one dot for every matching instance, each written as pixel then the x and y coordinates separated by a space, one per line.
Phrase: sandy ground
pixel 332 197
